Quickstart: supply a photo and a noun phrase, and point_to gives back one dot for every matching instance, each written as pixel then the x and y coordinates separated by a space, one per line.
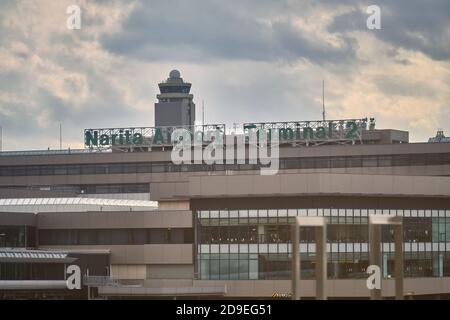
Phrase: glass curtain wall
pixel 256 244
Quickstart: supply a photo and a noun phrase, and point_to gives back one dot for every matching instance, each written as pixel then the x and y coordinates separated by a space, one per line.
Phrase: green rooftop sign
pixel 298 132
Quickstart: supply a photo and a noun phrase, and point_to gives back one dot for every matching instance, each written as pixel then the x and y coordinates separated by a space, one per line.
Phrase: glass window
pixel 88 237
pixel 282 213
pixel 129 168
pixel 143 167
pixel 384 161
pixel 369 162
pixel 302 212
pixel 292 212
pixel 104 237
pixel 138 236
pixel 120 236
pixel 243 214
pixel 253 269
pixel 290 163
pixel 101 169
pixel 87 169
pixel 214 270
pixel 60 170
pixel 243 269
pixel 224 269
pixel 116 168
pixel 73 170
pixel 33 171
pixel 157 168
pixel 234 269
pixel 158 236
pixel 223 214
pixel 214 214
pixel 204 269
pixel 13 236
pixel 233 214
pixel 272 213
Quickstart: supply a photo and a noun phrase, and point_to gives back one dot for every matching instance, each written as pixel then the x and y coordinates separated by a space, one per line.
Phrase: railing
pixel 100 281
pixel 47 152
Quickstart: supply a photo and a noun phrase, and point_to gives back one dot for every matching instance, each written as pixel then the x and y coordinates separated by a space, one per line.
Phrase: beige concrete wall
pixel 109 220
pixel 335 288
pixel 318 184
pixel 176 184
pixel 331 150
pixel 106 157
pixel 179 189
pixel 349 288
pixel 367 149
pixel 129 272
pixel 174 205
pixel 17 219
pixel 142 254
pixel 320 201
pixel 165 271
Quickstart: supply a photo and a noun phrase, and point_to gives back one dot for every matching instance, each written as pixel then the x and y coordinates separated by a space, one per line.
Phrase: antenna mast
pixel 60 136
pixel 323 100
pixel 203 112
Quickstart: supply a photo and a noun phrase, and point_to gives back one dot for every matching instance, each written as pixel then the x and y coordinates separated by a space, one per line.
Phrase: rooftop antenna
pixel 1 138
pixel 203 112
pixel 323 100
pixel 60 136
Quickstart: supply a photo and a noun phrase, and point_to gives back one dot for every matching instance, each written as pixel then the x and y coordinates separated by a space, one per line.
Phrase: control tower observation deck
pixel 175 106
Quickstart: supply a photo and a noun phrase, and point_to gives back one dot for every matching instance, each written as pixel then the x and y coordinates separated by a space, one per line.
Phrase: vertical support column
pixel 321 262
pixel 296 262
pixel 195 225
pixel 319 224
pixel 398 235
pixel 88 287
pixel 375 254
pixel 375 223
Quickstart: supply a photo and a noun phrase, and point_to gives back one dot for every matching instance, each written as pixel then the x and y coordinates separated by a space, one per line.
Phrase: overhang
pixel 13 255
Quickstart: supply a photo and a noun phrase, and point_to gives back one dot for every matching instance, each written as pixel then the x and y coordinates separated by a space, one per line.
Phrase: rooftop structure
pixel 175 106
pixel 223 230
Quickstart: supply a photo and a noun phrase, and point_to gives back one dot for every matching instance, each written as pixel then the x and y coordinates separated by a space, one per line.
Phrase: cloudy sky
pixel 256 60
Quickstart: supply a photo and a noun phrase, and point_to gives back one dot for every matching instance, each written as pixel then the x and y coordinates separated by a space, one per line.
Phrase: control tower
pixel 175 106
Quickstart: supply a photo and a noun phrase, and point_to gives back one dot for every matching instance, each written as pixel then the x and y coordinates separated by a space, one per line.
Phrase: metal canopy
pixel 34 256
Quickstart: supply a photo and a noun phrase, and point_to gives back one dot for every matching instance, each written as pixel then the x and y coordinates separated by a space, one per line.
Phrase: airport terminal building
pixel 141 226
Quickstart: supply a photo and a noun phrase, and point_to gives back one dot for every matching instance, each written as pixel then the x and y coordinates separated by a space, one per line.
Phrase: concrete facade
pixel 173 268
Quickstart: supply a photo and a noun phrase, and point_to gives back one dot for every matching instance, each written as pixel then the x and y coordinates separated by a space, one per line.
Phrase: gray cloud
pixel 202 31
pixel 411 24
pixel 256 60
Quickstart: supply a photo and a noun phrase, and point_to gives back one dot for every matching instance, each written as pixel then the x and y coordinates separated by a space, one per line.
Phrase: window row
pixel 279 267
pixel 414 230
pixel 115 236
pixel 287 163
pixel 31 271
pixel 90 188
pixel 17 236
pixel 335 216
